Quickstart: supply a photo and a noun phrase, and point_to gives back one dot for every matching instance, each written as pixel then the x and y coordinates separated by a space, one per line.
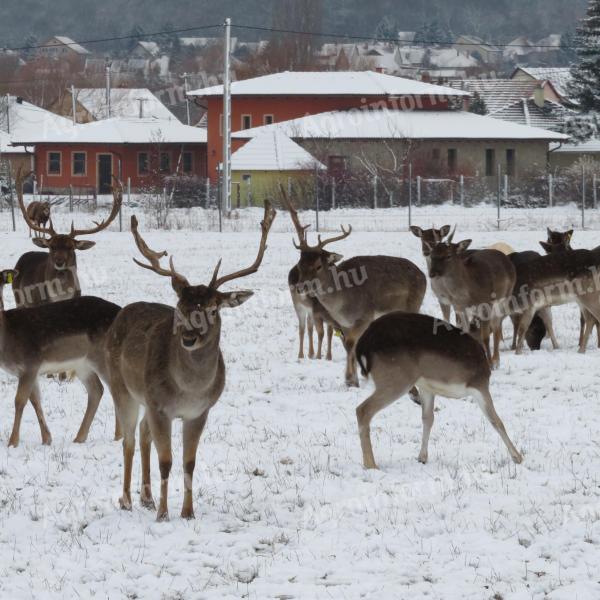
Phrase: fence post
pixel 595 193
pixel 409 195
pixel 391 199
pixel 317 198
pixel 375 192
pixel 207 198
pixel 551 189
pixel 499 192
pixel 333 193
pixel 12 198
pixel 506 190
pixel 462 190
pixel 583 196
pixel 418 190
pixel 70 198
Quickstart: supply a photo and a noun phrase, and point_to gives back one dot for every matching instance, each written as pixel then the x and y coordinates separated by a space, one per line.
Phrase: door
pixel 104 173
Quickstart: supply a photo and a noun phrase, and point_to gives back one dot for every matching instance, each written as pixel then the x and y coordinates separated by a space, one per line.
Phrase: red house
pixel 289 95
pixel 88 155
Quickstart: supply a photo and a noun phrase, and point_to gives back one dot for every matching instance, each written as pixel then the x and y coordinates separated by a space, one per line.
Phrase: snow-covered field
pixel 284 508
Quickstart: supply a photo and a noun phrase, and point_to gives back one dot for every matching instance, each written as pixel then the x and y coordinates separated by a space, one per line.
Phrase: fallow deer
pixel 38 213
pixel 51 337
pixel 401 350
pixel 169 360
pixel 357 291
pixel 52 276
pixel 475 284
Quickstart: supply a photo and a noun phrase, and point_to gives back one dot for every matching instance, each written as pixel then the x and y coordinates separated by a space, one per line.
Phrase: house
pixel 91 104
pixel 546 51
pixel 567 155
pixel 62 47
pixel 19 118
pixel 143 151
pixel 284 96
pixel 524 101
pixel 144 49
pixel 129 72
pixel 436 142
pixel 267 161
pixel 474 46
pixel 559 77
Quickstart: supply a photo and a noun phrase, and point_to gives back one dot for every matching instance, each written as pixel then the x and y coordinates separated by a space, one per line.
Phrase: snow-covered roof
pixel 124 102
pixel 327 83
pixel 273 151
pixel 24 120
pixel 559 77
pixel 118 130
pixel 525 111
pixel 590 147
pixel 399 124
pixel 67 41
pixel 151 47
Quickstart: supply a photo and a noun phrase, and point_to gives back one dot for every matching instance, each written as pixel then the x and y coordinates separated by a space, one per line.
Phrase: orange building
pixel 284 96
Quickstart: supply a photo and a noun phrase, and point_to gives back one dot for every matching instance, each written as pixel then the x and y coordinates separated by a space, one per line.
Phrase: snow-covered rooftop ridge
pixel 559 77
pixel 592 145
pixel 118 130
pixel 328 83
pixel 67 41
pixel 401 124
pixel 124 102
pixel 273 151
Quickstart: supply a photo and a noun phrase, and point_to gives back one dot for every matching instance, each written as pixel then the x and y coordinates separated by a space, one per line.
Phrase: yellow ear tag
pixel 9 278
pixel 338 333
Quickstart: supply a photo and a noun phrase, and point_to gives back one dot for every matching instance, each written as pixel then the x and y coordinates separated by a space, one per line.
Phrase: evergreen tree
pixel 478 105
pixel 585 87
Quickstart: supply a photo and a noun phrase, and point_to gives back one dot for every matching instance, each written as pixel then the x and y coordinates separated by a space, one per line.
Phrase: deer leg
pixel 581 327
pixel 365 413
pixel 597 323
pixel 311 348
pixel 24 388
pixel 146 498
pixel 484 399
pixel 484 332
pixel 590 309
pixel 301 329
pixel 446 310
pixel 330 340
pixel 515 322
pixel 192 430
pixel 427 403
pixel 545 315
pixel 496 326
pixel 319 326
pixel 524 322
pixel 351 374
pixel 94 390
pixel 35 400
pixel 160 428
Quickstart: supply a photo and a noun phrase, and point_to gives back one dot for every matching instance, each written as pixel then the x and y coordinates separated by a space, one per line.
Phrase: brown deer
pixel 357 291
pixel 49 338
pixel 476 285
pixel 38 213
pixel 52 276
pixel 401 350
pixel 169 360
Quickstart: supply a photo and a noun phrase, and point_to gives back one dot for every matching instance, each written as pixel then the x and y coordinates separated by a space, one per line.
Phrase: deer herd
pixel 168 358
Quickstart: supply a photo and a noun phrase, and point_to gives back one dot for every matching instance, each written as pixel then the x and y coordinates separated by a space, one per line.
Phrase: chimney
pixel 539 97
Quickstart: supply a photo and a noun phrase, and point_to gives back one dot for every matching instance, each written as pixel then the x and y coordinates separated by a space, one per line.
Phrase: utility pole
pixel 108 108
pixel 7 113
pixel 187 100
pixel 226 170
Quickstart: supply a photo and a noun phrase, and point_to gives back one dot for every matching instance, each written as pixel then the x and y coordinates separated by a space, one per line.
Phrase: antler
pixel 345 233
pixel 116 207
pixel 34 226
pixel 154 257
pixel 265 225
pixel 451 236
pixel 300 229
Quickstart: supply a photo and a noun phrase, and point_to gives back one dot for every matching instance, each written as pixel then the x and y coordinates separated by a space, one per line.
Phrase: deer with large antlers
pixel 45 277
pixel 358 290
pixel 169 360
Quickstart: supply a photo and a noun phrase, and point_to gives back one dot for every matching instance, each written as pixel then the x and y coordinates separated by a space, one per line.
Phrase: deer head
pixel 430 237
pixel 558 241
pixel 442 255
pixel 62 247
pixel 197 320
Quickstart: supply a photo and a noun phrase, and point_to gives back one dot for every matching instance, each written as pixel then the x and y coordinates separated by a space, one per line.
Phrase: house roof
pixel 117 130
pixel 527 112
pixel 477 41
pixel 337 83
pixel 67 41
pixel 124 102
pixel 151 47
pixel 559 77
pixel 273 151
pixel 399 124
pixel 25 120
pixel 590 147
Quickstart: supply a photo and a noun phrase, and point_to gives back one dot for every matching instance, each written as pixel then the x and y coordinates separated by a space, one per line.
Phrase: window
pixel 54 163
pixel 165 162
pixel 142 163
pixel 490 162
pixel 246 121
pixel 452 159
pixel 79 163
pixel 247 178
pixel 268 119
pixel 188 162
pixel 510 161
pixel 337 166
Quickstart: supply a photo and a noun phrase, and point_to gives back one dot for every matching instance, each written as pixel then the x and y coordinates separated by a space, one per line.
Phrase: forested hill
pixel 499 20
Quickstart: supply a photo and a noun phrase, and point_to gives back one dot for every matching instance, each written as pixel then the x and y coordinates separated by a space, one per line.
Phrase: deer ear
pixel 549 231
pixel 84 244
pixel 444 231
pixel 41 242
pixel 416 231
pixel 178 284
pixel 334 257
pixel 546 246
pixel 8 276
pixel 569 234
pixel 462 246
pixel 233 299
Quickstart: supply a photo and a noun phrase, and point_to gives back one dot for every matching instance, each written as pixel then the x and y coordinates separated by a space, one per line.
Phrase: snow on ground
pixel 284 508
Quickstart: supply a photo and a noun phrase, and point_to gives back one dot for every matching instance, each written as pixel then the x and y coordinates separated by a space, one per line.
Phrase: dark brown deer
pixel 38 213
pixel 401 350
pixel 52 337
pixel 357 291
pixel 51 276
pixel 169 360
pixel 476 284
